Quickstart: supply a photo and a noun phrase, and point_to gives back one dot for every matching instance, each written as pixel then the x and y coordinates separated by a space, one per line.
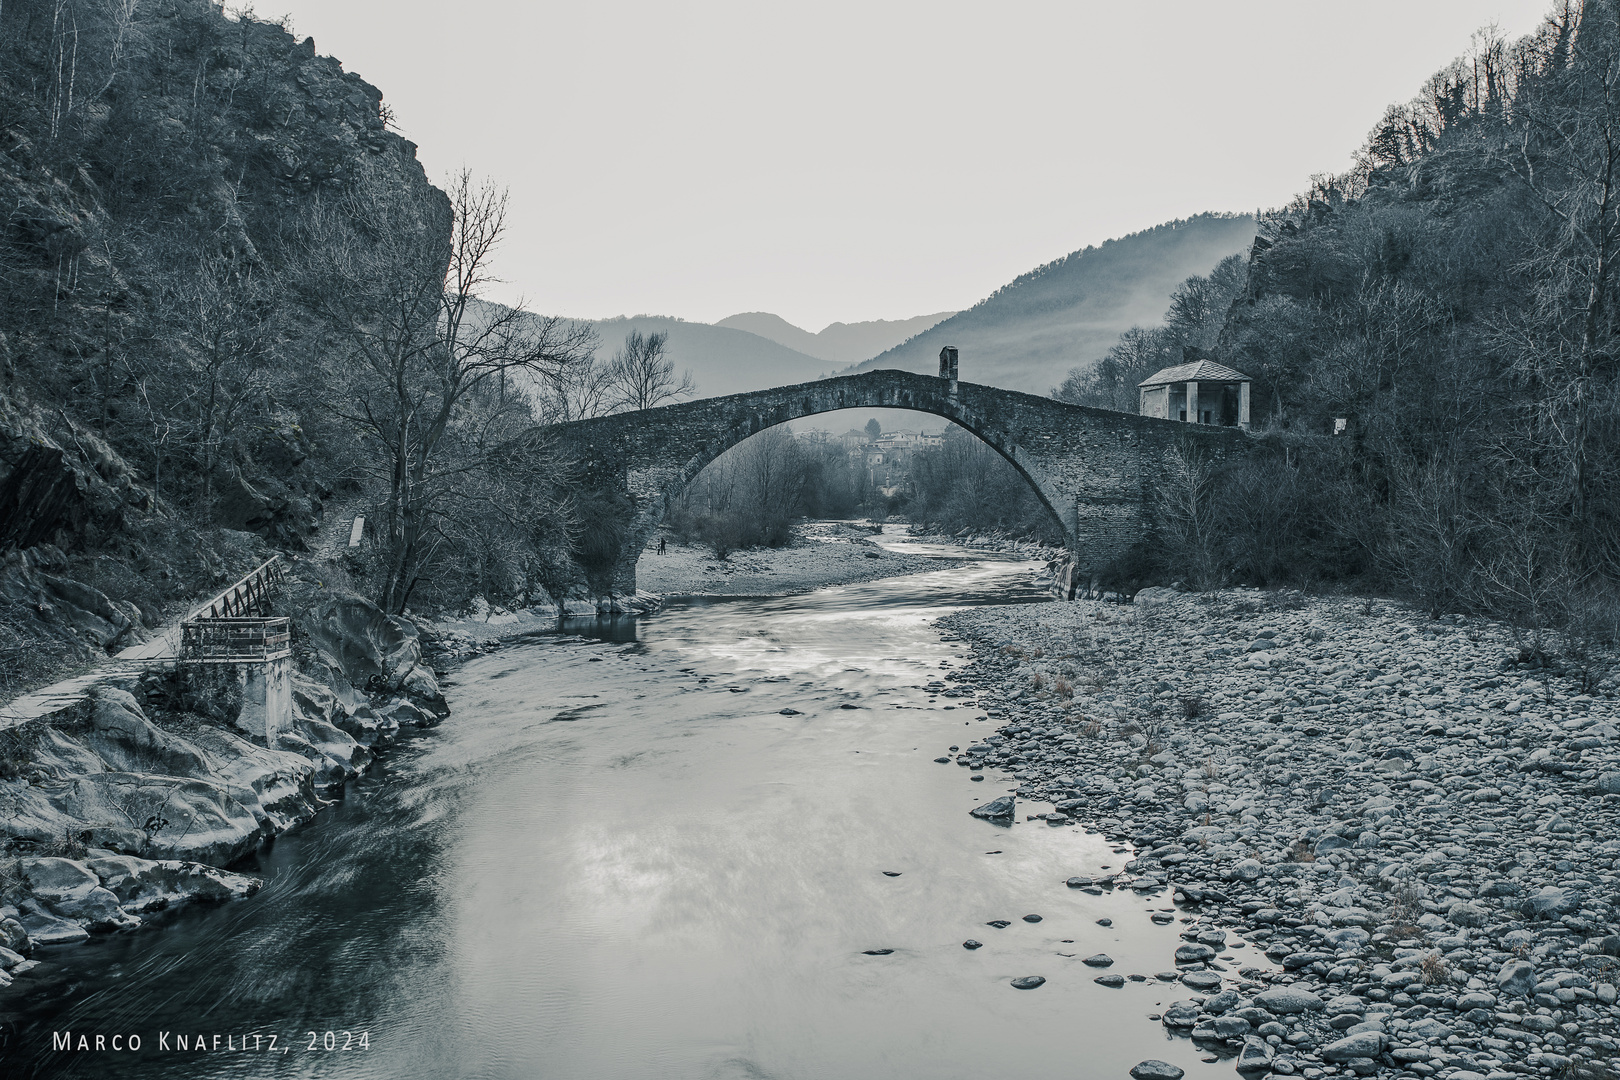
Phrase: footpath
pixel 162 648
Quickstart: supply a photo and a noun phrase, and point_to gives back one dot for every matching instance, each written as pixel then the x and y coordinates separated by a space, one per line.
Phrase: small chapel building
pixel 1198 392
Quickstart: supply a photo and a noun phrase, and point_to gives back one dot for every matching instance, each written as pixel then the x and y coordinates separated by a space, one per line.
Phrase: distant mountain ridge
pixel 1024 336
pixel 723 360
pixel 757 350
pixel 839 343
pixel 1029 333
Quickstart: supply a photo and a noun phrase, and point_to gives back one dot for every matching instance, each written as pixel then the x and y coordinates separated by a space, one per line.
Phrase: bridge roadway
pixel 1094 469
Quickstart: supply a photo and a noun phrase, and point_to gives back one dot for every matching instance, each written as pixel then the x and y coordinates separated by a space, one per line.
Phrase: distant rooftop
pixel 1198 371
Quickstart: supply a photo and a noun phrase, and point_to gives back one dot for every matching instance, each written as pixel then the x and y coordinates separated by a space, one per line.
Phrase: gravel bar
pixel 1393 839
pixel 822 554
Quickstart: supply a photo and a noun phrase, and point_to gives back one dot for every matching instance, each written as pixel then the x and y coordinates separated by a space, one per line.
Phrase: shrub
pixel 1591 633
pixel 17 751
pixel 29 656
pixel 1435 969
pixel 70 844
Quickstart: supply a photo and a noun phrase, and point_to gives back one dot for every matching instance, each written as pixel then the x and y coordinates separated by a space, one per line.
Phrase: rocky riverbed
pixel 1009 545
pixel 822 553
pixel 1393 840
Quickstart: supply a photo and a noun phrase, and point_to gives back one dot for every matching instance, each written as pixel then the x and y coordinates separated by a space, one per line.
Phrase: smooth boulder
pixel 1202 981
pixel 1288 999
pixel 1516 978
pixel 1154 1069
pixel 1255 1055
pixel 1245 870
pixel 997 809
pixel 1363 1044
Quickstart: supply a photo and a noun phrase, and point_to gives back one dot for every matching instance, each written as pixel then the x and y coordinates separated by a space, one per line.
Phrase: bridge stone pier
pixel 1093 468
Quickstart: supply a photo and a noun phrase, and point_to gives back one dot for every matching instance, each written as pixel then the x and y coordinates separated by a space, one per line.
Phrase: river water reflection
pixel 656 849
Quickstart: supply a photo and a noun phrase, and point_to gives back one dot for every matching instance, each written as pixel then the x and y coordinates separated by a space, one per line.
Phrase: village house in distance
pixel 1197 392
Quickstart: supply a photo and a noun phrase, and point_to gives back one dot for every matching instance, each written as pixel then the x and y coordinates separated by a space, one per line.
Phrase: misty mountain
pixel 722 359
pixel 1029 333
pixel 839 343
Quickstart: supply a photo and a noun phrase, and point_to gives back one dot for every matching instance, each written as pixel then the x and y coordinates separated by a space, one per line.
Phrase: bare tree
pixel 963 483
pixel 89 46
pixel 1431 548
pixel 642 377
pixel 1198 306
pixel 1110 383
pixel 398 279
pixel 1528 583
pixel 1188 525
pixel 1565 150
pixel 222 314
pixel 576 392
pixel 749 495
pixel 120 31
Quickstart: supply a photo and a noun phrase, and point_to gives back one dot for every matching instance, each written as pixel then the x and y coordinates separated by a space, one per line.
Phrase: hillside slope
pixel 723 360
pixel 165 199
pixel 838 343
pixel 1027 334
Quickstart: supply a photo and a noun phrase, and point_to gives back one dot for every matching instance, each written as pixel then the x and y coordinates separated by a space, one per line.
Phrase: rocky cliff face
pixel 160 202
pixel 161 432
pixel 141 223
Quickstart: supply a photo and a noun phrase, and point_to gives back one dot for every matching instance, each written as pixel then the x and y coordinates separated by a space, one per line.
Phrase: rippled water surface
pixel 654 849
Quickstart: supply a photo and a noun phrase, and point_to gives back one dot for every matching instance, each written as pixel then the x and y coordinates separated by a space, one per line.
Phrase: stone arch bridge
pixel 1092 468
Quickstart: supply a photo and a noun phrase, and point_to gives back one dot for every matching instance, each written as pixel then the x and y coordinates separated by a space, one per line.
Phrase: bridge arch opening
pixel 876 463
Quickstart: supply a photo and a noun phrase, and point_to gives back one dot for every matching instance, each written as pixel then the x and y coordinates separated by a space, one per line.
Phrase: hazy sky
pixel 842 161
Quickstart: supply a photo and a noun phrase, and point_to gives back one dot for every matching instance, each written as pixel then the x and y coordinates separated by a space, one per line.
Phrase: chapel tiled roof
pixel 1198 371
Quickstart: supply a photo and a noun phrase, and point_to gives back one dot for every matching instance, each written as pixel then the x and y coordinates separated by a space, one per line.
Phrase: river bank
pixel 1414 821
pixel 1027 549
pixel 822 554
pixel 136 798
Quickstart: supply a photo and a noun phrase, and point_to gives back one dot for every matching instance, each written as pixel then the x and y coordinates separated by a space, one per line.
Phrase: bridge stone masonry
pixel 1094 469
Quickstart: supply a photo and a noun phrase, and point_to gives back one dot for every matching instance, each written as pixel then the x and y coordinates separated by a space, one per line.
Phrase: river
pixel 658 848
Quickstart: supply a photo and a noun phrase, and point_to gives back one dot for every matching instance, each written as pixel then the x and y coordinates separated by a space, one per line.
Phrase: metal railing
pixel 236 627
pixel 231 641
pixel 250 595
